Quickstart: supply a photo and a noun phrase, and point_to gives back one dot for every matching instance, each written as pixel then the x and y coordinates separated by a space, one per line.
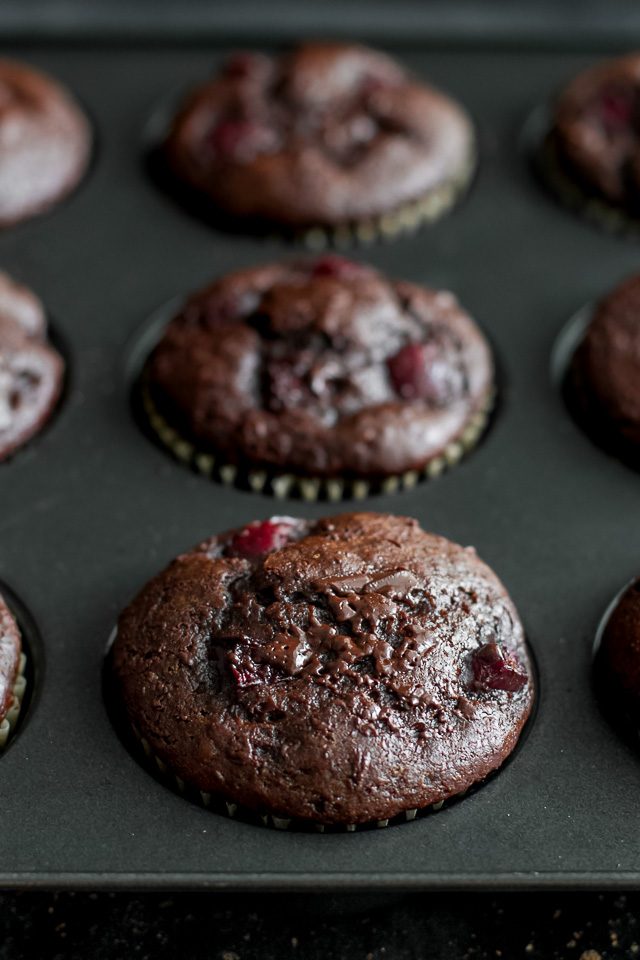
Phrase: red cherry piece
pixel 614 109
pixel 497 669
pixel 242 139
pixel 251 673
pixel 258 539
pixel 420 372
pixel 335 266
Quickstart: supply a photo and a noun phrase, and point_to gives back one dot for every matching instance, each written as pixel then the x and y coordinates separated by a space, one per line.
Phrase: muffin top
pixel 44 142
pixel 326 134
pixel 339 671
pixel 597 129
pixel 619 653
pixel 606 368
pixel 31 372
pixel 10 647
pixel 321 367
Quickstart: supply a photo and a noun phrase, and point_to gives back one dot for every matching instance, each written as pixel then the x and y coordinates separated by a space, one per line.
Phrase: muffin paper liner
pixel 228 808
pixel 140 749
pixel 540 143
pixel 285 485
pixel 8 725
pixel 404 220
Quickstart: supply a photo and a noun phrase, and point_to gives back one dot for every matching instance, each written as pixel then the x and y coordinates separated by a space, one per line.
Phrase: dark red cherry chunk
pixel 614 109
pixel 495 668
pixel 242 139
pixel 249 673
pixel 258 539
pixel 335 266
pixel 420 371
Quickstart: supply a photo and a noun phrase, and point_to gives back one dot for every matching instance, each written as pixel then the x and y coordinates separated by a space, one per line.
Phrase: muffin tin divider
pixel 92 509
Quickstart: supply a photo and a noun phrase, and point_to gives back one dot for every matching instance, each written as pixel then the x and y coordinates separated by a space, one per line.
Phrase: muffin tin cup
pixel 404 221
pixel 283 486
pixel 623 722
pixel 28 678
pixel 59 343
pixel 547 165
pixel 140 748
pixel 597 429
pixel 388 226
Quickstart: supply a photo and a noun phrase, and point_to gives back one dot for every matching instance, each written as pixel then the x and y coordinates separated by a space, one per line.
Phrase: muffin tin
pixel 92 509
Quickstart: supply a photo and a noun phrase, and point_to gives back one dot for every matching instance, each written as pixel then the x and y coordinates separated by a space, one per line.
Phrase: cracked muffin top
pixel 321 367
pixel 45 142
pixel 596 128
pixel 338 671
pixel 31 372
pixel 326 134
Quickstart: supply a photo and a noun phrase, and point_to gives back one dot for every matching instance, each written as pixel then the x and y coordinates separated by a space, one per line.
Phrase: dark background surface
pixel 200 926
pixel 250 925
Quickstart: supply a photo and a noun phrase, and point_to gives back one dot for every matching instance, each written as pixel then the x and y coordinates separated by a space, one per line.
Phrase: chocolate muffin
pixel 31 371
pixel 45 142
pixel 618 659
pixel 604 382
pixel 322 370
pixel 340 671
pixel 328 135
pixel 592 155
pixel 11 669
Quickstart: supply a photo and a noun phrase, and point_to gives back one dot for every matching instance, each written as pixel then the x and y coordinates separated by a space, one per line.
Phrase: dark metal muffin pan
pixel 92 508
